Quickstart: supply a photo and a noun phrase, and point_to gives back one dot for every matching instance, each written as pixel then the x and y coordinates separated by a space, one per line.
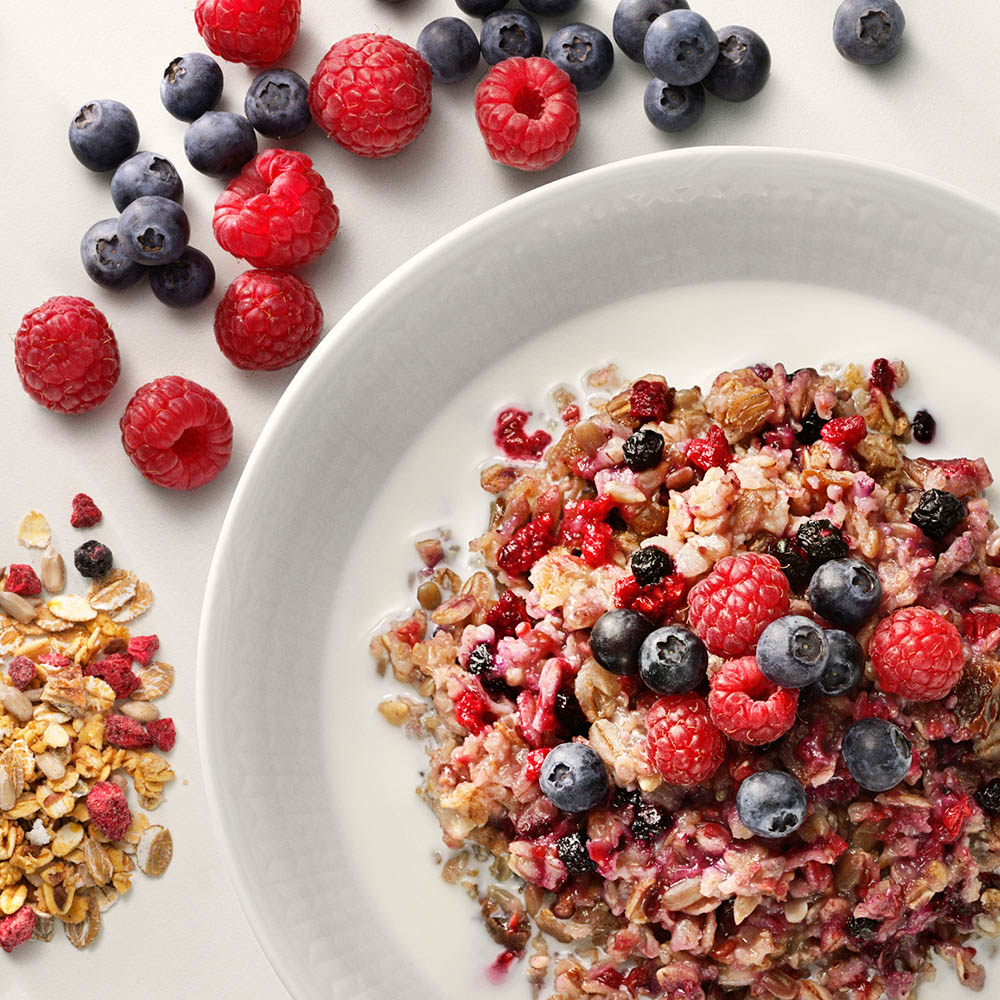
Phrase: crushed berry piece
pixel 846 431
pixel 572 851
pixel 923 427
pixel 649 821
pixel 710 451
pixel 812 427
pixel 763 372
pixel 977 625
pixel 85 513
pixel 480 661
pixel 781 438
pixel 626 799
pixel 511 438
pixel 23 580
pixel 122 731
pixel 643 450
pixel 654 601
pixel 821 541
pixel 650 565
pixel 527 546
pixel 988 797
pixel 21 672
pixel 108 808
pixel 597 544
pixel 17 928
pixel 882 376
pixel 938 512
pixel 115 670
pixel 410 632
pixel 569 713
pixel 792 562
pixel 649 401
pixel 508 612
pixel 533 763
pixel 142 648
pixel 163 732
pixel 571 415
pixel 953 818
pixel 610 977
pixel 862 928
pixel 469 711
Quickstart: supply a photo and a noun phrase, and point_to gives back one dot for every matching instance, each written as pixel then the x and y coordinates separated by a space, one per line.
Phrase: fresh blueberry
pixel 743 65
pixel 102 134
pixel 549 8
pixel 680 47
pixel 844 664
pixel 277 104
pixel 219 143
pixel 672 108
pixel 510 33
pixel 584 53
pixel 846 592
pixel 191 85
pixel 573 777
pixel 650 565
pixel 480 8
pixel 616 638
pixel 572 851
pixel 632 21
pixel 93 559
pixel 771 803
pixel 104 260
pixel 672 660
pixel 153 230
pixel 793 651
pixel 450 48
pixel 812 425
pixel 876 753
pixel 185 281
pixel 643 450
pixel 145 174
pixel 868 32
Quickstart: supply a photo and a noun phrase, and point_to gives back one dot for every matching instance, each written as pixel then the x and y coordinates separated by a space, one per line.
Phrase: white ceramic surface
pixel 811 259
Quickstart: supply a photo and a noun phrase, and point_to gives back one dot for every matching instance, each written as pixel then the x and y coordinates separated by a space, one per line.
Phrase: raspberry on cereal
pixel 142 648
pixel 649 401
pixel 508 612
pixel 108 808
pixel 748 707
pixel 527 546
pixel 917 654
pixel 470 710
pixel 655 600
pixel 533 763
pixel 17 928
pixel 710 451
pixel 85 513
pixel 122 731
pixel 21 672
pixel 846 431
pixel 163 732
pixel 116 671
pixel 682 742
pixel 23 580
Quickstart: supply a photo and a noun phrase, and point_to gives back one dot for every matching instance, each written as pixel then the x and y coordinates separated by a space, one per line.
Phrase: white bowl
pixel 380 436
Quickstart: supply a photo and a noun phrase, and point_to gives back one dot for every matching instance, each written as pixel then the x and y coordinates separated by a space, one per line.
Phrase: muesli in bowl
pixel 724 695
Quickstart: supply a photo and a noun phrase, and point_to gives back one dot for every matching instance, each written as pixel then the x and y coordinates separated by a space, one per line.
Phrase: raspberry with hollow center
pixel 177 433
pixel 527 546
pixel 23 580
pixel 527 113
pixel 846 431
pixel 917 654
pixel 710 451
pixel 85 513
pixel 748 707
pixel 255 32
pixel 682 742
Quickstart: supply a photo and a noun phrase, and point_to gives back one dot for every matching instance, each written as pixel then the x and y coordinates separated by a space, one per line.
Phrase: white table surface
pixel 932 110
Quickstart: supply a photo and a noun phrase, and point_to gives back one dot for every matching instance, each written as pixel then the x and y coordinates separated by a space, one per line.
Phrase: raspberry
pixel 846 431
pixel 980 625
pixel 372 94
pixel 17 928
pixel 163 732
pixel 597 546
pixel 654 600
pixel 115 670
pixel 277 213
pixel 583 528
pixel 469 711
pixel 506 614
pixel 21 672
pixel 917 654
pixel 177 433
pixel 255 32
pixel 66 355
pixel 510 437
pixel 736 601
pixel 122 731
pixel 23 580
pixel 882 376
pixel 709 451
pixel 682 742
pixel 267 320
pixel 85 512
pixel 142 648
pixel 747 707
pixel 108 809
pixel 649 401
pixel 527 113
pixel 533 763
pixel 527 546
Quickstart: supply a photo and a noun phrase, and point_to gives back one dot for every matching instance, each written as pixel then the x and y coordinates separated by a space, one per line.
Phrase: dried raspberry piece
pixel 527 546
pixel 469 711
pixel 164 733
pixel 649 401
pixel 23 580
pixel 980 625
pixel 917 654
pixel 748 707
pixel 115 670
pixel 882 376
pixel 846 431
pixel 85 512
pixel 411 632
pixel 21 672
pixel 121 731
pixel 570 415
pixel 508 612
pixel 533 763
pixel 654 600
pixel 510 437
pixel 108 808
pixel 953 816
pixel 142 648
pixel 682 742
pixel 17 928
pixel 710 451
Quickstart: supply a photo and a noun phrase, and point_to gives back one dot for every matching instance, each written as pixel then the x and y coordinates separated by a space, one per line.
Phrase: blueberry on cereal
pixel 812 425
pixel 988 797
pixel 643 450
pixel 480 661
pixel 793 651
pixel 844 665
pixel 862 928
pixel 793 563
pixel 649 821
pixel 771 804
pixel 573 777
pixel 821 541
pixel 938 512
pixel 616 638
pixel 846 592
pixel 672 660
pixel 93 559
pixel 572 851
pixel 650 565
pixel 876 753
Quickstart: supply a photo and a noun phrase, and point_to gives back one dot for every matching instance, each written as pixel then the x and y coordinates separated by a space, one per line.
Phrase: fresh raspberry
pixel 649 401
pixel 66 355
pixel 508 612
pixel 748 707
pixel 277 213
pixel 115 670
pixel 23 580
pixel 527 546
pixel 533 763
pixel 654 600
pixel 846 431
pixel 85 513
pixel 511 438
pixel 372 94
pixel 255 32
pixel 123 731
pixel 736 601
pixel 267 320
pixel 108 808
pixel 21 672
pixel 917 654
pixel 142 648
pixel 469 711
pixel 177 433
pixel 597 544
pixel 710 451
pixel 682 742
pixel 527 113
pixel 17 928
pixel 583 528
pixel 164 733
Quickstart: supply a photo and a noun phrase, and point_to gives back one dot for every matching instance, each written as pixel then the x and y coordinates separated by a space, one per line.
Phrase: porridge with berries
pixel 722 697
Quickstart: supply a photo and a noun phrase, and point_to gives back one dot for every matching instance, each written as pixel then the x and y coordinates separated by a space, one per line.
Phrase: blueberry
pixel 480 8
pixel 573 777
pixel 145 174
pixel 868 32
pixel 219 143
pixel 153 230
pixel 277 104
pixel 632 21
pixel 793 651
pixel 191 85
pixel 104 260
pixel 820 541
pixel 510 33
pixel 672 660
pixel 743 65
pixel 549 8
pixel 643 450
pixel 844 665
pixel 671 108
pixel 185 281
pixel 846 592
pixel 938 512
pixel 812 425
pixel 793 563
pixel 650 565
pixel 102 134
pixel 923 427
pixel 584 53
pixel 988 797
pixel 572 851
pixel 569 714
pixel 771 803
pixel 450 48
pixel 93 559
pixel 649 820
pixel 615 640
pixel 876 753
pixel 480 662
pixel 680 47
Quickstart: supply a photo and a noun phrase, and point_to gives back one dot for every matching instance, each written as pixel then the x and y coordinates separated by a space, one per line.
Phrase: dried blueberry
pixel 937 513
pixel 821 541
pixel 93 559
pixel 923 427
pixel 572 851
pixel 570 715
pixel 650 820
pixel 650 565
pixel 812 424
pixel 988 797
pixel 480 660
pixel 792 562
pixel 643 450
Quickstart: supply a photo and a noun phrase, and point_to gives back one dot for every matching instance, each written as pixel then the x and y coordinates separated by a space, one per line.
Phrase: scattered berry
pixel 125 732
pixel 649 400
pixel 277 104
pixel 219 143
pixel 742 67
pixel 710 451
pixel 917 654
pixel 191 85
pixel 267 320
pixel 93 559
pixel 650 565
pixel 104 260
pixel 527 546
pixel 21 672
pixel 569 714
pixel 643 450
pixel 145 174
pixel 549 8
pixel 649 820
pixel 102 134
pixel 85 513
pixel 142 648
pixel 153 230
pixel 923 427
pixel 868 32
pixel 845 592
pixel 771 804
pixel 508 612
pixel 450 47
pixel 862 928
pixel 509 33
pixel 844 664
pixel 527 113
pixel 480 8
pixel 938 512
pixel 792 562
pixel 988 796
pixel 736 601
pixel 184 282
pixel 673 108
pixel 116 671
pixel 107 806
pixel 821 541
pixel 616 638
pixel 656 600
pixel 573 777
pixel 812 427
pixel 572 851
pixel 163 732
pixel 66 355
pixel 584 52
pixel 882 377
pixel 177 433
pixel 632 20
pixel 793 651
pixel 682 742
pixel 17 928
pixel 255 32
pixel 672 660
pixel 845 431
pixel 23 580
pixel 680 47
pixel 510 437
pixel 748 707
pixel 480 663
pixel 876 753
pixel 372 94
